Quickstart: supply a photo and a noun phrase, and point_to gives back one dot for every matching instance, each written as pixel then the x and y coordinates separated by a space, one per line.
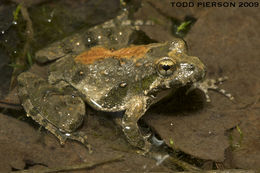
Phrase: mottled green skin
pixel 111 84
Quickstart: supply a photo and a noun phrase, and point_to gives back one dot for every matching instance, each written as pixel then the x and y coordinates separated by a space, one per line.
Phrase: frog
pixel 106 68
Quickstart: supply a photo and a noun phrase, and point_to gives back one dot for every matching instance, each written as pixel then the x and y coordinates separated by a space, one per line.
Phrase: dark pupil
pixel 166 67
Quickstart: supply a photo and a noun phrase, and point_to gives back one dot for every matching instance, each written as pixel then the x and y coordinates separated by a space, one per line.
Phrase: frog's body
pixel 99 67
pixel 109 81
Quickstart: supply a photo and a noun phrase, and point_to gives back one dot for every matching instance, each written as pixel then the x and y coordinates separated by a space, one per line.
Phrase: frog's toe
pixel 146 148
pixel 80 137
pixel 211 84
pixel 76 136
pixel 136 139
pixel 62 138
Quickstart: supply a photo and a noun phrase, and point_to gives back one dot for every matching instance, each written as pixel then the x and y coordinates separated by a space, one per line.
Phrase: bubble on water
pixel 52 14
pixel 127 127
pixel 67 134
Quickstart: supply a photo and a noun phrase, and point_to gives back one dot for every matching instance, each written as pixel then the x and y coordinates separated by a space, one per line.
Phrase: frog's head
pixel 176 68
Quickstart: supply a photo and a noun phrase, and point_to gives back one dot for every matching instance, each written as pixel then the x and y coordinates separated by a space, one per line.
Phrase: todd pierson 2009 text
pixel 214 4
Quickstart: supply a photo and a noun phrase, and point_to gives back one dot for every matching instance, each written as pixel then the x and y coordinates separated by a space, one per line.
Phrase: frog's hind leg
pixel 47 105
pixel 62 136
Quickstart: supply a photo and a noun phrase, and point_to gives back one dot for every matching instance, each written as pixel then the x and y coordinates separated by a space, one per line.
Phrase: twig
pixel 73 167
pixel 222 171
pixel 30 35
pixel 9 105
pixel 184 165
pixel 211 171
pixel 172 160
pixel 29 29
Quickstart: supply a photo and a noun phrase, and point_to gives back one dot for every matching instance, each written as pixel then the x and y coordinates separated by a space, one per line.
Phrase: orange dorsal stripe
pixel 99 53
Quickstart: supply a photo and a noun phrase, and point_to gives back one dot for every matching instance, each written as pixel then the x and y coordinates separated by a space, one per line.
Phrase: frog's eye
pixel 166 66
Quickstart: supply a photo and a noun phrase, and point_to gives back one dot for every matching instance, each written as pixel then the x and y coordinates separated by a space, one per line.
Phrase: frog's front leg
pixel 135 110
pixel 58 112
pixel 211 84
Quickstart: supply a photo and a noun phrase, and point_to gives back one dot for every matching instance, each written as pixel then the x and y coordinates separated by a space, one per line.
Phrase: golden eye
pixel 166 66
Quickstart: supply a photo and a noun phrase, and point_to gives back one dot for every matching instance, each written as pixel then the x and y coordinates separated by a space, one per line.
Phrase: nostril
pixel 191 67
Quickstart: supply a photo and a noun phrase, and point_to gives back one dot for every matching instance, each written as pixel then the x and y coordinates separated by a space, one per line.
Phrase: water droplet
pixel 123 84
pixel 52 13
pixel 15 22
pixel 67 134
pixel 106 72
pixel 89 40
pixel 127 127
pixel 99 37
pixel 3 32
pixel 49 20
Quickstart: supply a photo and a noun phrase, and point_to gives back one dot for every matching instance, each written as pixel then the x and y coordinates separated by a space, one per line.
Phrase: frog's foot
pixel 135 138
pixel 137 107
pixel 137 23
pixel 63 136
pixel 211 84
pixel 133 135
pixel 124 21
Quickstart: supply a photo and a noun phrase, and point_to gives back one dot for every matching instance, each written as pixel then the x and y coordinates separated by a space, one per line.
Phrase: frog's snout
pixel 193 68
pixel 200 68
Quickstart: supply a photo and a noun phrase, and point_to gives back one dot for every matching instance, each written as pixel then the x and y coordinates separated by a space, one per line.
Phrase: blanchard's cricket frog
pixel 102 67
